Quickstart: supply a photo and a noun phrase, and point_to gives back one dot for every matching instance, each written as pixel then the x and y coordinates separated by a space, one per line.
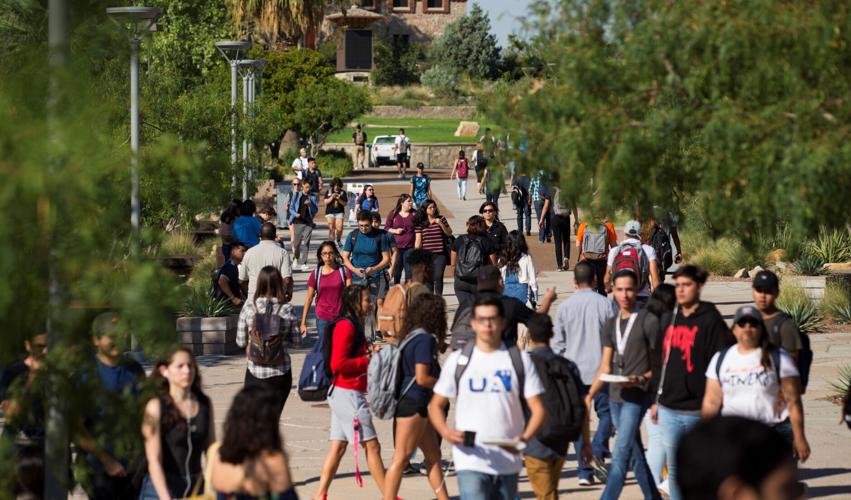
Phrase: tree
pixel 326 107
pixel 396 62
pixel 654 103
pixel 273 19
pixel 467 46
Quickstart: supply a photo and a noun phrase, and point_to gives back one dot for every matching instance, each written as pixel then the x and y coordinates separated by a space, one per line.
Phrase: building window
pixel 403 5
pixel 439 5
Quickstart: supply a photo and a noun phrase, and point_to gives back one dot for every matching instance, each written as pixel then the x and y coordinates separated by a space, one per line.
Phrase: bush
pixel 442 81
pixel 334 163
pixel 836 303
pixel 199 302
pixel 840 386
pixel 831 246
pixel 723 256
pixel 396 62
pixel 180 244
pixel 809 265
pixel 202 271
pixel 795 303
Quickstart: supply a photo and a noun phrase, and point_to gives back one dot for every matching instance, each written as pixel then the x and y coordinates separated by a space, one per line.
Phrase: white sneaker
pixel 586 482
pixel 305 268
pixel 295 263
pixel 663 487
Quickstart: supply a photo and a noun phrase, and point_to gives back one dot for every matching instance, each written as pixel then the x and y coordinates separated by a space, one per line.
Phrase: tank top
pixel 174 443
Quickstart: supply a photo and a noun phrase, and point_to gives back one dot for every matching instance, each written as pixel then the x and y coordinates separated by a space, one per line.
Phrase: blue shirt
pixel 247 230
pixel 369 204
pixel 367 248
pixel 420 184
pixel 115 384
pixel 420 350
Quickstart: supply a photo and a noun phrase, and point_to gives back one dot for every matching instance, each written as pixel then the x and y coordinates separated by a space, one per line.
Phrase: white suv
pixel 381 151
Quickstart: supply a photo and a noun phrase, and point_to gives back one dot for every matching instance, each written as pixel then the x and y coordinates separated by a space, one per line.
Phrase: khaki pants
pixel 360 155
pixel 544 476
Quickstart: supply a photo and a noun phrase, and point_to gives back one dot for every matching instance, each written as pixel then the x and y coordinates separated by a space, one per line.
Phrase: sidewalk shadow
pixel 808 474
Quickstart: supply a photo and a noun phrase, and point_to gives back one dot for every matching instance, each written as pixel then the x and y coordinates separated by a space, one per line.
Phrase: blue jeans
pixel 600 441
pixel 524 211
pixel 493 198
pixel 474 485
pixel 401 263
pixel 655 453
pixel 629 452
pixel 673 425
pixel 544 230
pixel 320 326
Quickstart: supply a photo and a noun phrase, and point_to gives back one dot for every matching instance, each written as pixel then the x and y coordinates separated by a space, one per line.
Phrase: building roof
pixel 354 15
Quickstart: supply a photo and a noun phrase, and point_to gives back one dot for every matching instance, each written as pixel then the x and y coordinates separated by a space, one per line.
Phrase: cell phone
pixel 469 439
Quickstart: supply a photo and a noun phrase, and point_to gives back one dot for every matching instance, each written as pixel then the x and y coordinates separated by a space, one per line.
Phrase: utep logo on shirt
pixel 500 381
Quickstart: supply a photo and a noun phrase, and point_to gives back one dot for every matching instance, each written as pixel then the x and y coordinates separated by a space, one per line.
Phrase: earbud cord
pixel 189 449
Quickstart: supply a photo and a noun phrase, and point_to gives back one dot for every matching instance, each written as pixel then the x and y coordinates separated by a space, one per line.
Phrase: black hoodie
pixel 688 346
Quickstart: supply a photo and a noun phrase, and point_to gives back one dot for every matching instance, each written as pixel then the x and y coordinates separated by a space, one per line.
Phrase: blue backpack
pixel 513 287
pixel 313 382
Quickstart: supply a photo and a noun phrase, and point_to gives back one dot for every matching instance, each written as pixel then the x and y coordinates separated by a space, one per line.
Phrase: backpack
pixel 516 363
pixel 805 355
pixel 462 168
pixel 631 257
pixel 391 314
pixel 517 195
pixel 384 376
pixel 594 244
pixel 513 287
pixel 462 330
pixel 265 342
pixel 313 382
pixel 328 342
pixel 846 408
pixel 660 240
pixel 471 256
pixel 563 401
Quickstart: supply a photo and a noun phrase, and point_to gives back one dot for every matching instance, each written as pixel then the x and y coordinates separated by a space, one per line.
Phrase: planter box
pixel 814 286
pixel 208 335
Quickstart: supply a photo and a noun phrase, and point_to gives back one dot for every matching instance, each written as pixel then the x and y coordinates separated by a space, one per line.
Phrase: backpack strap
pixel 517 363
pixel 721 355
pixel 775 360
pixel 463 362
pixel 775 329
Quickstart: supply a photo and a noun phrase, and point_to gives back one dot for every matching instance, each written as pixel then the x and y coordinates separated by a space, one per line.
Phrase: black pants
pixel 466 293
pixel 524 211
pixel 280 386
pixel 401 263
pixel 599 270
pixel 437 269
pixel 561 236
pixel 104 487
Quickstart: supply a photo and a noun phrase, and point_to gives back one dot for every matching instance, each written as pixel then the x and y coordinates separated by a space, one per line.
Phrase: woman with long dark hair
pixel 178 427
pixel 269 298
pixel 757 380
pixel 367 200
pixel 496 229
pixel 432 232
pixel 326 283
pixel 251 462
pixel 470 252
pixel 347 356
pixel 422 337
pixel 400 223
pixel 226 226
pixel 518 269
pixel 336 201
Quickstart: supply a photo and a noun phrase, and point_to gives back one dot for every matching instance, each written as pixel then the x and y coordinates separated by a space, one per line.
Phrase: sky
pixel 503 15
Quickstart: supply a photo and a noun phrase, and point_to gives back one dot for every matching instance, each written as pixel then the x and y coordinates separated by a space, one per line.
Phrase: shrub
pixel 179 243
pixel 795 303
pixel 200 302
pixel 831 246
pixel 809 265
pixel 840 386
pixel 202 271
pixel 836 303
pixel 396 62
pixel 442 81
pixel 723 256
pixel 334 163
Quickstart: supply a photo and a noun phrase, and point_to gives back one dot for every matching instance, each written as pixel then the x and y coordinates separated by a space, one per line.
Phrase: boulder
pixel 755 270
pixel 778 255
pixel 838 267
pixel 741 273
pixel 467 129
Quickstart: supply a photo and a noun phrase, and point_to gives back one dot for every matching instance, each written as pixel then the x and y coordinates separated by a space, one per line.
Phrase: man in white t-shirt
pixel 632 233
pixel 402 150
pixel 301 163
pixel 489 407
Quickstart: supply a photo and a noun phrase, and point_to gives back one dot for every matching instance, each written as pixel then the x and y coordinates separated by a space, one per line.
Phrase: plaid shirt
pixel 536 187
pixel 246 321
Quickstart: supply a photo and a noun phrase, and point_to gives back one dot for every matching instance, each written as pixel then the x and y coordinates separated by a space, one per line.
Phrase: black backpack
pixel 471 256
pixel 660 240
pixel 563 400
pixel 518 196
pixel 805 354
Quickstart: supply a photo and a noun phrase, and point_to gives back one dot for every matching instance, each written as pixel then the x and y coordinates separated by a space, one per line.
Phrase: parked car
pixel 381 151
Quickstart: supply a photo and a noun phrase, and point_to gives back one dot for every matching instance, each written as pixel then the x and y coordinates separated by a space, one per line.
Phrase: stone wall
pixel 432 155
pixel 454 112
pixel 209 335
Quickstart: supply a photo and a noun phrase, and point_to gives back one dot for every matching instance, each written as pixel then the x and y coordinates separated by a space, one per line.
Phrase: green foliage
pixel 202 271
pixel 795 303
pixel 287 71
pixel 831 246
pixel 334 163
pixel 200 303
pixel 442 81
pixel 328 51
pixel 840 386
pixel 179 243
pixel 836 303
pixel 326 107
pixel 723 256
pixel 467 46
pixel 648 103
pixel 396 62
pixel 809 265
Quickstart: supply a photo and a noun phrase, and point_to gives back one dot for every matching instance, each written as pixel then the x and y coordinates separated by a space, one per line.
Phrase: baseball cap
pixel 488 278
pixel 105 324
pixel 750 312
pixel 766 280
pixel 632 229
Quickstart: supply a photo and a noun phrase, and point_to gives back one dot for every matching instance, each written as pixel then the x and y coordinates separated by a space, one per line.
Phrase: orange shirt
pixel 610 229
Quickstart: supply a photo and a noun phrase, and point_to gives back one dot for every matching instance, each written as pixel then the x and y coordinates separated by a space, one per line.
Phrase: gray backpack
pixel 595 244
pixel 384 376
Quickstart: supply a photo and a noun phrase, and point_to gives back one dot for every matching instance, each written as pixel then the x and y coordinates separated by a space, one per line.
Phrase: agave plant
pixel 831 246
pixel 201 303
pixel 836 304
pixel 809 265
pixel 795 303
pixel 840 386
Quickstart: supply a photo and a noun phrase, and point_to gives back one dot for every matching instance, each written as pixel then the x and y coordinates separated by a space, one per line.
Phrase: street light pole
pixel 232 51
pixel 135 206
pixel 246 76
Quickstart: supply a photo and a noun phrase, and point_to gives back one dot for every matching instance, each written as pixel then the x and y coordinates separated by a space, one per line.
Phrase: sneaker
pixel 295 263
pixel 401 176
pixel 663 487
pixel 560 269
pixel 464 198
pixel 424 468
pixel 565 263
pixel 528 233
pixel 410 470
pixel 600 471
pixel 586 482
pixel 305 268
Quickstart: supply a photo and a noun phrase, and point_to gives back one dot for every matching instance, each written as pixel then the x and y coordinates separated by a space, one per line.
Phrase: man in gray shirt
pixel 577 336
pixel 266 253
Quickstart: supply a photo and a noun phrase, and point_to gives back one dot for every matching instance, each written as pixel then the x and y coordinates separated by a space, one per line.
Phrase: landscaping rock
pixel 755 270
pixel 467 129
pixel 741 273
pixel 778 255
pixel 838 267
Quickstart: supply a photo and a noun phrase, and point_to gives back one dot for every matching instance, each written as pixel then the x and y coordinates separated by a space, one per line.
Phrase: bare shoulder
pixel 152 408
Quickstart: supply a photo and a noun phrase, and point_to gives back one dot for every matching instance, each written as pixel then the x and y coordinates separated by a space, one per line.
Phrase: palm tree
pixel 274 20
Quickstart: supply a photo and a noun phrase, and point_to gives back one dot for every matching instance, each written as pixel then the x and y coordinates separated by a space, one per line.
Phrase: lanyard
pixel 622 338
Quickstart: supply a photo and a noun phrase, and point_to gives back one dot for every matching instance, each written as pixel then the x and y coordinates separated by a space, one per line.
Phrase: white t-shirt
pixel 300 162
pixel 750 390
pixel 402 144
pixel 489 405
pixel 648 251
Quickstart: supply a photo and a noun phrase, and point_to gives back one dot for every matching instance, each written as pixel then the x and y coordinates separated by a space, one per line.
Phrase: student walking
pixel 480 163
pixel 781 329
pixel 497 231
pixel 359 139
pixel 432 233
pixel 425 323
pixel 541 199
pixel 420 186
pixel 312 177
pixel 302 212
pixel 460 171
pixel 366 254
pixel 347 355
pixel 470 252
pixel 178 427
pixel 300 164
pixel 246 227
pixel 325 287
pixel 266 253
pixel 367 201
pixel 594 239
pixel 336 201
pixel 561 230
pixel 402 150
pixel 519 276
pixel 629 345
pixel 632 254
pixel 400 223
pixel 520 201
pixel 493 182
pixel 226 280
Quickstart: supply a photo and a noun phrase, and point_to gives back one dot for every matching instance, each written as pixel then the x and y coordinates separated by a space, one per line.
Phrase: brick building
pixel 415 21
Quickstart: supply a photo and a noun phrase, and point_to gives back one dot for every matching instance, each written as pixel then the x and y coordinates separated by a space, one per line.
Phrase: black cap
pixel 766 280
pixel 488 278
pixel 748 312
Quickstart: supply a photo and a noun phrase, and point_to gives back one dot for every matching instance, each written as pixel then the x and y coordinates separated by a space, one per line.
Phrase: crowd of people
pixel 625 345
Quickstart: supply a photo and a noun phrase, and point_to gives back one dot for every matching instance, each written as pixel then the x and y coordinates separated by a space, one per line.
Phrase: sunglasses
pixel 296 184
pixel 748 321
pixel 488 211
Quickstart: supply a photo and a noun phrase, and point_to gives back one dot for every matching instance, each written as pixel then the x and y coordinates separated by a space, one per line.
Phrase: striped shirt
pixel 432 236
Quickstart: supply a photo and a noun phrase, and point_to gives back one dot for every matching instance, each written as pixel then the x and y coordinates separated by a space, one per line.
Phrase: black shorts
pixel 402 158
pixel 408 408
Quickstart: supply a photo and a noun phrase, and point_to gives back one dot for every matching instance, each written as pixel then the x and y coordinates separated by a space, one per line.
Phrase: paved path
pixel 305 426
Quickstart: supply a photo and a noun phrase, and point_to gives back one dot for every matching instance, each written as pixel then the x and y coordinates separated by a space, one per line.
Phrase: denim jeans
pixel 629 452
pixel 474 485
pixel 600 441
pixel 401 263
pixel 493 198
pixel 544 230
pixel 437 270
pixel 673 425
pixel 524 211
pixel 655 453
pixel 320 326
pixel 461 187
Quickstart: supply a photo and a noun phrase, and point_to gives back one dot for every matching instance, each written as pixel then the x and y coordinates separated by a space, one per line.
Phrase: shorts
pixel 338 216
pixel 407 407
pixel 346 405
pixel 403 158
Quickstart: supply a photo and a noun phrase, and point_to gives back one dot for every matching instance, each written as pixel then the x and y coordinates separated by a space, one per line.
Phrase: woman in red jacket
pixel 349 354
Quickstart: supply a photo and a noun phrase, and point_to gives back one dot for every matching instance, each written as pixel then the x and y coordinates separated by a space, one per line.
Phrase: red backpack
pixel 631 257
pixel 462 168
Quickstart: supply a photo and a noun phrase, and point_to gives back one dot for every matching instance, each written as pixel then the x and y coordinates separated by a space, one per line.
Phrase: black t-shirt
pixel 336 206
pixel 498 235
pixel 304 211
pixel 312 177
pixel 230 271
pixel 30 421
pixel 636 360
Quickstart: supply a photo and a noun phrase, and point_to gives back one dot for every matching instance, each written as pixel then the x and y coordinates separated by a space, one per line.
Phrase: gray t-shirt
pixel 790 336
pixel 640 343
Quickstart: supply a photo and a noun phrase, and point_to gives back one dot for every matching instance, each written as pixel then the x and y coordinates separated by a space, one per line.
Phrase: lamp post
pixel 255 79
pixel 232 51
pixel 247 68
pixel 136 21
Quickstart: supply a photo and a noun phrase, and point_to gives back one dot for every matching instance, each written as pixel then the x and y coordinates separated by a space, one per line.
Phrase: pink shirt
pixel 330 293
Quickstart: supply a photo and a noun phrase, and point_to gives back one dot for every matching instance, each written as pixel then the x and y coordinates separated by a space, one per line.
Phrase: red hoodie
pixel 350 371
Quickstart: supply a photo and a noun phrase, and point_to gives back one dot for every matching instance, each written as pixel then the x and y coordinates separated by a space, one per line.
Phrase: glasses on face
pixel 328 254
pixel 487 319
pixel 296 184
pixel 365 226
pixel 488 211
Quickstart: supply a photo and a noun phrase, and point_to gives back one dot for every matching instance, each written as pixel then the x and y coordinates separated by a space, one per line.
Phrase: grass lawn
pixel 420 130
